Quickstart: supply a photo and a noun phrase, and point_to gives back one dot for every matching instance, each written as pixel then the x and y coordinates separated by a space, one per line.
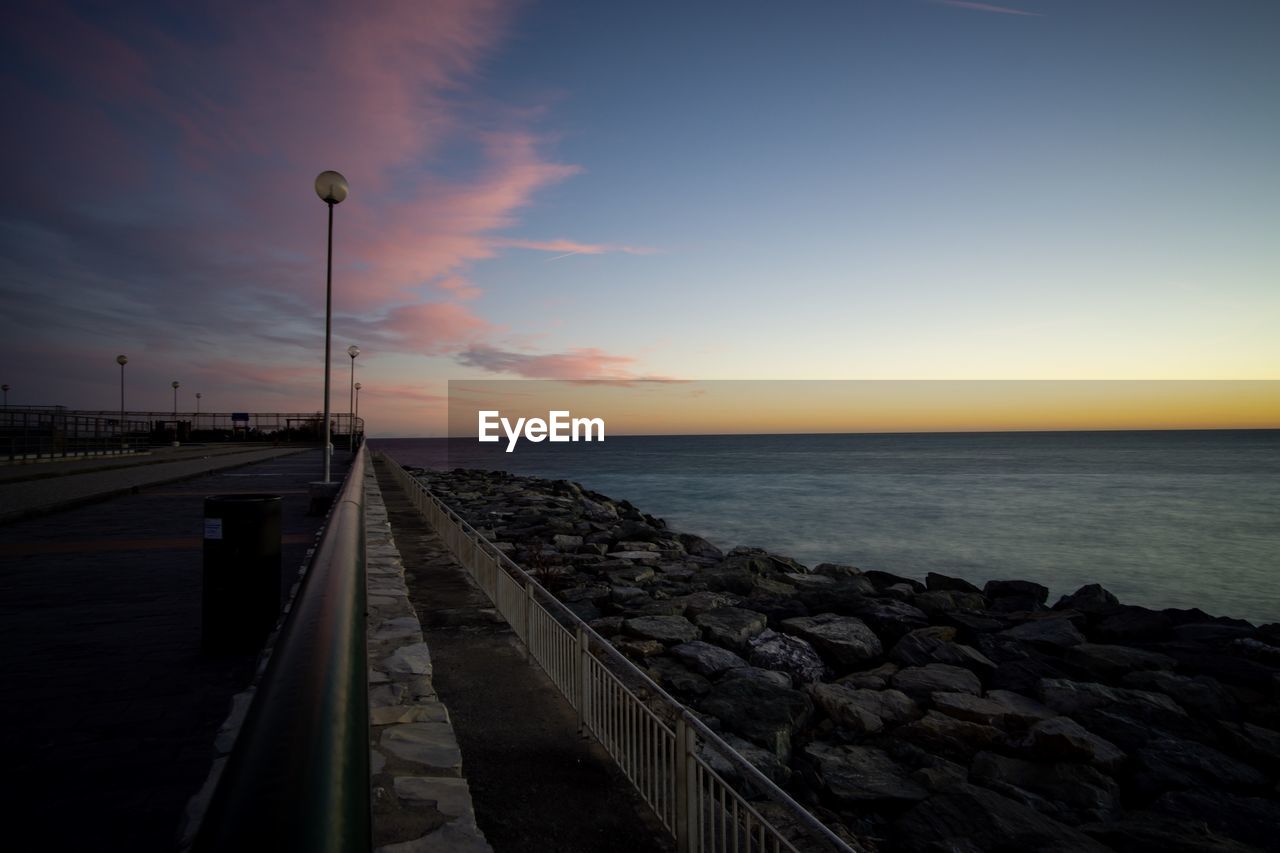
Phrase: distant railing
pixel 657 743
pixel 298 777
pixel 42 432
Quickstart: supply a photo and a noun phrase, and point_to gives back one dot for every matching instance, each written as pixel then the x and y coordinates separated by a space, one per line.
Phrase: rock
pixel 1001 713
pixel 934 645
pixel 1168 763
pixel 845 640
pixel 923 681
pixel 782 679
pixel 1251 820
pixel 884 580
pixel 566 542
pixel 1054 631
pixel 1145 832
pixel 699 547
pixel 843 595
pixel 677 679
pixel 1091 598
pixel 1210 633
pixel 638 649
pixel 1073 697
pixel 975 623
pixel 1260 745
pixel 760 711
pixel 632 576
pixel 891 620
pixel 1073 793
pixel 1063 739
pixel 706 659
pixel 838 703
pixel 593 592
pixel 807 582
pixel 1025 675
pixel 857 775
pixel 1018 711
pixel 1200 695
pixel 1114 662
pixel 664 629
pixel 870 679
pixel 784 653
pixel 864 710
pixel 935 581
pixel 1129 625
pixel 950 737
pixel 697 603
pixel 761 759
pixel 836 570
pixel 1014 595
pixel 732 627
pixel 636 556
pixel 966 818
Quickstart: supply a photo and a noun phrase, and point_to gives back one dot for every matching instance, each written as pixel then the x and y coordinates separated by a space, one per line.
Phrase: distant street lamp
pixel 198 402
pixel 5 388
pixel 352 351
pixel 122 360
pixel 332 189
pixel 175 401
pixel 356 413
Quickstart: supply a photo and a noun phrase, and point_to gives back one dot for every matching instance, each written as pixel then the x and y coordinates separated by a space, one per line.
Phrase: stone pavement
pixel 108 709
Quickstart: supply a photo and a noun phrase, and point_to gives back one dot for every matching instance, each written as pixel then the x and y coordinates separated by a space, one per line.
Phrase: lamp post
pixel 352 351
pixel 122 360
pixel 356 413
pixel 198 395
pixel 332 189
pixel 5 388
pixel 175 403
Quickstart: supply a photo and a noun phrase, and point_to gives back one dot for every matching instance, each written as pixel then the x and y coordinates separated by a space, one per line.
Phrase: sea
pixel 1160 518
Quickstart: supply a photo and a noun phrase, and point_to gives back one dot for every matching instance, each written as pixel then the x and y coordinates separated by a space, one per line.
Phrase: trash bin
pixel 241 572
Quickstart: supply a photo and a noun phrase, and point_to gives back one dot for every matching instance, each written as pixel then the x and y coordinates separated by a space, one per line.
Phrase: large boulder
pixel 1072 793
pixel 1169 763
pixel 760 711
pixel 731 627
pixel 668 630
pixel 947 736
pixel 967 818
pixel 784 653
pixel 1014 595
pixel 1091 598
pixel 1074 697
pixel 864 711
pixel 936 645
pixel 861 775
pixel 845 640
pixel 761 759
pixel 1063 739
pixel 935 582
pixel 677 678
pixel 889 618
pixel 1111 663
pixel 1148 832
pixel 1251 820
pixel 1055 632
pixel 922 681
pixel 999 708
pixel 706 659
pixel 1128 624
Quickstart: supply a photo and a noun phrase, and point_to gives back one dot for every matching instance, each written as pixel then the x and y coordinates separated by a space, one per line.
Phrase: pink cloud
pixel 583 363
pixel 987 7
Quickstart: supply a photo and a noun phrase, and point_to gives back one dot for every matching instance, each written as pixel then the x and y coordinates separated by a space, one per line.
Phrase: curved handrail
pixel 298 777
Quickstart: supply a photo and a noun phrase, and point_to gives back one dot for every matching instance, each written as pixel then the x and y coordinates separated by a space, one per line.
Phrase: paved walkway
pixel 537 785
pixel 108 709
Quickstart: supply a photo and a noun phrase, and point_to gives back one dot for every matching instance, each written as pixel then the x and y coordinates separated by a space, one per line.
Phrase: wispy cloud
pixel 582 363
pixel 988 7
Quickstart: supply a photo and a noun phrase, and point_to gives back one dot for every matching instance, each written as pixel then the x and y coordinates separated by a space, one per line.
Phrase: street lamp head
pixel 4 387
pixel 175 385
pixel 353 350
pixel 198 395
pixel 331 187
pixel 358 386
pixel 122 360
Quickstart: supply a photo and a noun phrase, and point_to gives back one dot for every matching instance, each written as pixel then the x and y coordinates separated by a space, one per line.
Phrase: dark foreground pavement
pixel 536 783
pixel 108 709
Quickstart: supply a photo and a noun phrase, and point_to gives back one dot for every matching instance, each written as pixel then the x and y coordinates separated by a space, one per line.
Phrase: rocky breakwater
pixel 924 715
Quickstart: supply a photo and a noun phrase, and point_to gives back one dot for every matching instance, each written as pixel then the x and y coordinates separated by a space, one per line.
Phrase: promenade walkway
pixel 108 709
pixel 536 784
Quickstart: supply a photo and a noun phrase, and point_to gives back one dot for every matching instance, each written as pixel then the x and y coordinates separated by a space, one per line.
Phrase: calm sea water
pixel 1163 519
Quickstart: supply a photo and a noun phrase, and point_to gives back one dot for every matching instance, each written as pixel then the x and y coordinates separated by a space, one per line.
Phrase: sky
pixel 866 189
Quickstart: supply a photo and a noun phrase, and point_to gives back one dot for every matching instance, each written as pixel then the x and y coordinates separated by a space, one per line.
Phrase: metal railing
pixel 42 432
pixel 298 776
pixel 659 745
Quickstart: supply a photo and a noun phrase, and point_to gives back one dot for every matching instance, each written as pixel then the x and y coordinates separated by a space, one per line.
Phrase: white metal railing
pixel 653 738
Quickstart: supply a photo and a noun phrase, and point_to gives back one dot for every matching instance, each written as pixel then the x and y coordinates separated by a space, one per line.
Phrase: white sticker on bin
pixel 213 528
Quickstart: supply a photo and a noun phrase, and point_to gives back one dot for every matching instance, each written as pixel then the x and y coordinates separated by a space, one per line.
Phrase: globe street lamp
pixel 175 399
pixel 332 189
pixel 198 402
pixel 122 360
pixel 352 351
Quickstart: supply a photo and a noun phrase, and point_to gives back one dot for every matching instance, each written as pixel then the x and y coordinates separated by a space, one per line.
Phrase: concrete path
pixel 28 490
pixel 537 785
pixel 108 709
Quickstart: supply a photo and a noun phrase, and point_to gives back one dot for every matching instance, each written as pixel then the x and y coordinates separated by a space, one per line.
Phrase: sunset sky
pixel 866 189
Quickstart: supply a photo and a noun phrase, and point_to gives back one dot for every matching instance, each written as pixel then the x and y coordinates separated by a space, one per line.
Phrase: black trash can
pixel 241 572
